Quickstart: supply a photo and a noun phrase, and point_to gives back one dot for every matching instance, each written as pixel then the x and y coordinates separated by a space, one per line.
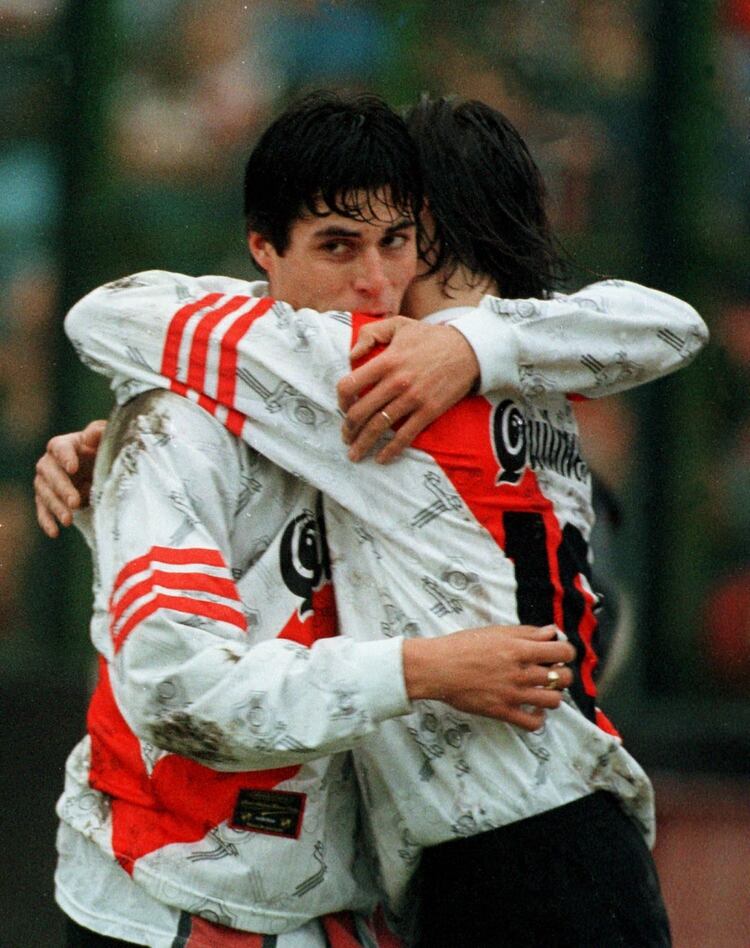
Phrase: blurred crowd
pixel 183 88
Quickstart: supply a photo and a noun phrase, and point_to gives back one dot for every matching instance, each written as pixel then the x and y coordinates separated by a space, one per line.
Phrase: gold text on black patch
pixel 269 811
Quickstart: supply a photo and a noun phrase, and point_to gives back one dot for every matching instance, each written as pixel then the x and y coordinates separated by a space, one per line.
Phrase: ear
pixel 261 249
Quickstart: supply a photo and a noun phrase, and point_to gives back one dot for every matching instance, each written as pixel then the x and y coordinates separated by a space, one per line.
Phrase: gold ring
pixel 553 678
pixel 387 417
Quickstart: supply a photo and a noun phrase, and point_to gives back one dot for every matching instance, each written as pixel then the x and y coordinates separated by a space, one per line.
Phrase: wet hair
pixel 330 152
pixel 486 196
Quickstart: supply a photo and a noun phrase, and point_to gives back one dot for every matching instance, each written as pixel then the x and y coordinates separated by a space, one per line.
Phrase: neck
pixel 429 295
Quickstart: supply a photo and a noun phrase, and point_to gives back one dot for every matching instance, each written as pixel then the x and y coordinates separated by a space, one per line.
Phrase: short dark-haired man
pixel 486 517
pixel 201 806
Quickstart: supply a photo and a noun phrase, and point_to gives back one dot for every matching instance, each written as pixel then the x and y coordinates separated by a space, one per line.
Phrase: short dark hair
pixel 330 148
pixel 487 198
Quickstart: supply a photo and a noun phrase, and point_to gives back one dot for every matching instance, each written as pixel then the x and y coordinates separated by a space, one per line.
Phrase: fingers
pixel 382 421
pixel 366 376
pixel 402 438
pixel 50 505
pixel 53 485
pixel 528 718
pixel 374 334
pixel 64 450
pixel 45 520
pixel 91 435
pixel 374 387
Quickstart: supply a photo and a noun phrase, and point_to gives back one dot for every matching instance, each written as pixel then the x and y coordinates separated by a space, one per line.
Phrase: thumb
pixel 543 634
pixel 92 434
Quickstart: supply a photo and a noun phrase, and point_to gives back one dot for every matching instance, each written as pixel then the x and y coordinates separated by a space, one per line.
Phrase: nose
pixel 370 278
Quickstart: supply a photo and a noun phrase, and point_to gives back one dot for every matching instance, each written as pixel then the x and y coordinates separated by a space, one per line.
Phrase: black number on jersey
pixel 526 545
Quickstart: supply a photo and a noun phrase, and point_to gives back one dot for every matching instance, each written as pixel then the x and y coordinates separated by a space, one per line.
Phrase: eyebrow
pixel 336 230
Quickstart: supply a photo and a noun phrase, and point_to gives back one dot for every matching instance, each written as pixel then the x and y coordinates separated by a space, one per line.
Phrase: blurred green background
pixel 123 130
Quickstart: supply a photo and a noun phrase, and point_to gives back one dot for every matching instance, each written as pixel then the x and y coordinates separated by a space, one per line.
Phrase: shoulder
pixel 167 423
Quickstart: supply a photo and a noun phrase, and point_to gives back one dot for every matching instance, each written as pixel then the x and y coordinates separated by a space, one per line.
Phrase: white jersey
pixel 202 794
pixel 485 519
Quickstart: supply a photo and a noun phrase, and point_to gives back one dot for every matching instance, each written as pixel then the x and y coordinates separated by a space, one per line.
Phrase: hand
pixel 496 671
pixel 63 476
pixel 424 371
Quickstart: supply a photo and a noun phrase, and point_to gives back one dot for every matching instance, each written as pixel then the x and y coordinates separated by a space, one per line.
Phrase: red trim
pixel 340 930
pixel 196 376
pixel 196 607
pixel 191 556
pixel 235 420
pixel 604 723
pixel 586 629
pixel 176 329
pixel 205 934
pixel 116 766
pixel 190 582
pixel 228 358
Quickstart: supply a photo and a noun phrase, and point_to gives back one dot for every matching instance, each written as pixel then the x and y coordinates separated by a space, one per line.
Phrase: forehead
pixel 360 214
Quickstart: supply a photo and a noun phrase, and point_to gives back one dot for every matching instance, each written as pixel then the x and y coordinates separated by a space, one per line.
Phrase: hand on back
pixel 63 476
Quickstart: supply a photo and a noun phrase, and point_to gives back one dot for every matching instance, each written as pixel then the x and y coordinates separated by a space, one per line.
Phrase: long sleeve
pixel 185 670
pixel 604 339
pixel 266 371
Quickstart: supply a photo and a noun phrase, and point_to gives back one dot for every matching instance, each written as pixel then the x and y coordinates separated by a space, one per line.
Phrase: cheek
pixel 404 271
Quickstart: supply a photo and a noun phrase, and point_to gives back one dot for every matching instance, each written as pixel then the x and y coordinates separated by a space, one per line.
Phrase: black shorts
pixel 76 936
pixel 577 876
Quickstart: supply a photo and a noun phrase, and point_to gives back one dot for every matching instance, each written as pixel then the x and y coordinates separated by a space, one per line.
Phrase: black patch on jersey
pixel 304 559
pixel 509 441
pixel 276 812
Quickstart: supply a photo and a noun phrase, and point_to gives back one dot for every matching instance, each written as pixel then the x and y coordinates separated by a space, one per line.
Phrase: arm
pixel 604 339
pixel 495 671
pixel 186 674
pixel 607 338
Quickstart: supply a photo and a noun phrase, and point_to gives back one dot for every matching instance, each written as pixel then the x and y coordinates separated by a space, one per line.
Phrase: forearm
pixel 609 337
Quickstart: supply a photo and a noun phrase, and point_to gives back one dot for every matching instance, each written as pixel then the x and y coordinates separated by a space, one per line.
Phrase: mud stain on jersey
pixel 182 734
pixel 145 415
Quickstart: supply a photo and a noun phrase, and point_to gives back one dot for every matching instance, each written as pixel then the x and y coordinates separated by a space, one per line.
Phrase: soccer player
pixel 201 807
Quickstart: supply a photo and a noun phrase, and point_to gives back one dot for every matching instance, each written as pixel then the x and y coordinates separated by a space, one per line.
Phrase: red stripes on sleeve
pixel 189 582
pixel 193 381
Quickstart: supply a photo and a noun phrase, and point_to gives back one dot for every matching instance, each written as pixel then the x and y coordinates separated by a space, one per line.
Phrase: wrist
pixel 422 668
pixel 467 362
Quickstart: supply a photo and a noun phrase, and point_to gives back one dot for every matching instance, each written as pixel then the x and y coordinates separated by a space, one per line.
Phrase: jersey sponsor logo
pixel 276 812
pixel 520 442
pixel 303 557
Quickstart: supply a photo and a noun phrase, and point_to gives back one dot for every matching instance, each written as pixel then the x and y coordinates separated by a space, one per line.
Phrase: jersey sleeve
pixel 604 339
pixel 267 372
pixel 184 670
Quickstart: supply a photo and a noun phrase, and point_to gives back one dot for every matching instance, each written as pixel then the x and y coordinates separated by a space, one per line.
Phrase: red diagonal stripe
pixel 190 582
pixel 199 346
pixel 187 556
pixel 340 930
pixel 235 420
pixel 228 359
pixel 194 607
pixel 205 934
pixel 586 631
pixel 177 327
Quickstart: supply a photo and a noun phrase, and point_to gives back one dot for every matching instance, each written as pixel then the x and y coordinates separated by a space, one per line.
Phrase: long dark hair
pixel 486 196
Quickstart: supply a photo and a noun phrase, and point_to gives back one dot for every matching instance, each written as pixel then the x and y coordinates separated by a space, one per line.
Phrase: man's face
pixel 334 262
